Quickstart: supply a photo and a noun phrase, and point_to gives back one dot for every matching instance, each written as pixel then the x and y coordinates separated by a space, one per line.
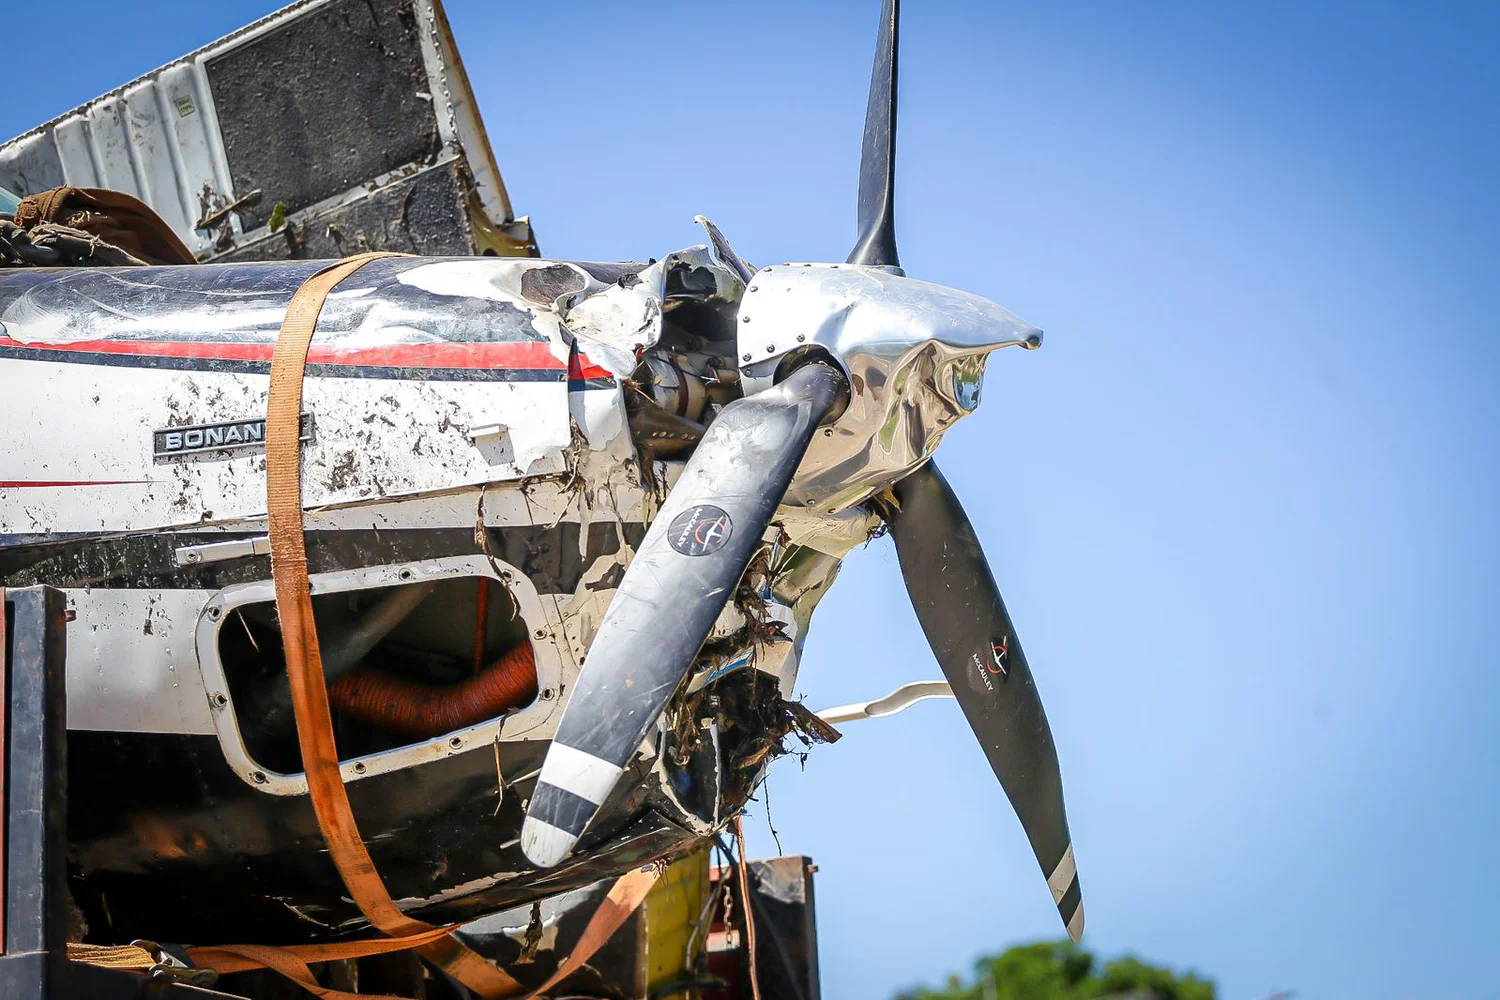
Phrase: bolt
pixel 359 768
pixel 259 777
pixel 456 742
pixel 214 613
pixel 221 700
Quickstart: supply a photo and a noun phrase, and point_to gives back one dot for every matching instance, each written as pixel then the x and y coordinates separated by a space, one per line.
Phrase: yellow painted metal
pixel 672 912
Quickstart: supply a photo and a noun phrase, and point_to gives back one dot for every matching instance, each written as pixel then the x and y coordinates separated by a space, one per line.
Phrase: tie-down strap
pixel 304 666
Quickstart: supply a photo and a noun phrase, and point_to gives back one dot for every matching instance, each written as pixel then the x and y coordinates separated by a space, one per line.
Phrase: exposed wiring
pixel 765 786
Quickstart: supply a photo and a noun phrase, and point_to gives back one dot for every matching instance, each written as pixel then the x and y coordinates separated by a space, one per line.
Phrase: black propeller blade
pixel 877 159
pixel 971 634
pixel 687 567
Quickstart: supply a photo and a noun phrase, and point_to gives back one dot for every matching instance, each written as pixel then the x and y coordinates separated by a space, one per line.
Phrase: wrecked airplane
pixel 566 525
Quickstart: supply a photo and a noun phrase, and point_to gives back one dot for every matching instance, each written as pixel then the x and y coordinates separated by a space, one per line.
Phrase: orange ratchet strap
pixel 304 666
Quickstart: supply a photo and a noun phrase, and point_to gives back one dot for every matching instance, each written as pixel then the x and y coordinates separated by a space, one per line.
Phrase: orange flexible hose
pixel 421 711
pixel 481 621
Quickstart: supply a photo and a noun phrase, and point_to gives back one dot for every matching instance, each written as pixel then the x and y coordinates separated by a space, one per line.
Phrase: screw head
pixel 744 319
pixel 747 357
pixel 801 337
pixel 539 634
pixel 754 287
pixel 770 348
pixel 359 768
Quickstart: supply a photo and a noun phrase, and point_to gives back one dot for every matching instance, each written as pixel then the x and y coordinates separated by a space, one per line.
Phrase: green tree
pixel 1061 970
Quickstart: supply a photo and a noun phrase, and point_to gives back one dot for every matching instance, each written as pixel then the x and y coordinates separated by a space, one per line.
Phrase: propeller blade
pixel 971 634
pixel 687 567
pixel 877 159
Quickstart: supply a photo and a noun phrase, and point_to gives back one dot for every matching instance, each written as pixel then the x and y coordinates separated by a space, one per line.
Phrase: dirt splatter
pixel 342 475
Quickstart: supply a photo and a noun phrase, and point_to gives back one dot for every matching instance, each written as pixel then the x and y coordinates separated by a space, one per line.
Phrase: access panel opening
pixel 404 664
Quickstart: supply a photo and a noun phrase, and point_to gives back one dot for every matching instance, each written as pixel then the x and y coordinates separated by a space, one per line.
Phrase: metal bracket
pixel 171 967
pixel 899 700
pixel 196 555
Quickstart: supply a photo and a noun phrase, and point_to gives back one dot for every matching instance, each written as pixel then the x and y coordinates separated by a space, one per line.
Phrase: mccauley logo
pixel 999 655
pixel 700 530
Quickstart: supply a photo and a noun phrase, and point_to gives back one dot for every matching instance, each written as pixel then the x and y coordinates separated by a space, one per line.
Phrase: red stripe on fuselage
pixel 21 484
pixel 531 355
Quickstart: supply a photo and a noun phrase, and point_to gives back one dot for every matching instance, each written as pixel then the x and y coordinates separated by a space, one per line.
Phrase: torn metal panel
pixel 626 316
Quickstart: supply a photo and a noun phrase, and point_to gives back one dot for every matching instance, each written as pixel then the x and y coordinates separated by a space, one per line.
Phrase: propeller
pixel 699 545
pixel 682 575
pixel 877 159
pixel 971 635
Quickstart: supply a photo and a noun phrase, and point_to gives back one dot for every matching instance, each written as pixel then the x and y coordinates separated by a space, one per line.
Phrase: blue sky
pixel 1242 503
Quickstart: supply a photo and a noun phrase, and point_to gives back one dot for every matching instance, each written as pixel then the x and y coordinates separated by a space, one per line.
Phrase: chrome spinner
pixel 913 351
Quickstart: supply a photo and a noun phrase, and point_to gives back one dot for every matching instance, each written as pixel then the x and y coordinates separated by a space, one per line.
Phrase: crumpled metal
pixel 914 353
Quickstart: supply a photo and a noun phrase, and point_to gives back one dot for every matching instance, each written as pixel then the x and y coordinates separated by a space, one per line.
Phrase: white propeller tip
pixel 1075 926
pixel 544 844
